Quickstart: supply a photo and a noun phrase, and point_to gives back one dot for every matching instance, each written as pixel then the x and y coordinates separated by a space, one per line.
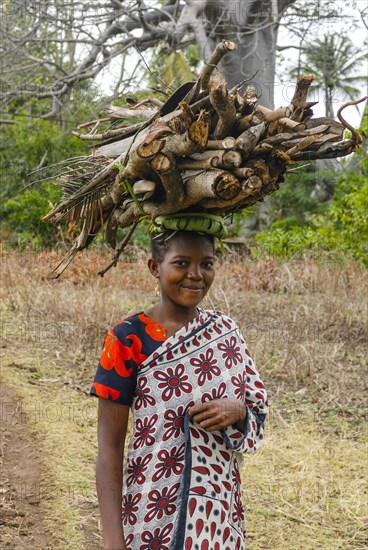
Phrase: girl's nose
pixel 194 272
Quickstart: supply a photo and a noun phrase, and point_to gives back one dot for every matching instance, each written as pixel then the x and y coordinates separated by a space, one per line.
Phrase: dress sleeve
pixel 116 374
pixel 255 401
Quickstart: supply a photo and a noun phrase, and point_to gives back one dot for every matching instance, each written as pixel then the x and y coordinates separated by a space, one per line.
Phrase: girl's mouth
pixel 193 288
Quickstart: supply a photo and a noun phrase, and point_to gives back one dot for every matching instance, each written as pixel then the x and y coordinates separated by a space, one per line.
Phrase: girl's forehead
pixel 194 243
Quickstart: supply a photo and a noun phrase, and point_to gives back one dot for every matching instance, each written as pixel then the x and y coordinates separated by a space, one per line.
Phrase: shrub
pixel 26 145
pixel 343 228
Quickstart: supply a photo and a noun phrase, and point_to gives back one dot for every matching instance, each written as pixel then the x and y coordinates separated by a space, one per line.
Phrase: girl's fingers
pixel 202 407
pixel 210 422
pixel 217 414
pixel 203 415
pixel 206 414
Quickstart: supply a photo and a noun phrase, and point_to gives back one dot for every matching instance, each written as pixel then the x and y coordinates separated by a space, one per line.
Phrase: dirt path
pixel 24 484
pixel 22 508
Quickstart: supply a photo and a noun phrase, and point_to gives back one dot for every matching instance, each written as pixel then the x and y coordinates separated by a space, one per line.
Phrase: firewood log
pixel 212 159
pixel 218 184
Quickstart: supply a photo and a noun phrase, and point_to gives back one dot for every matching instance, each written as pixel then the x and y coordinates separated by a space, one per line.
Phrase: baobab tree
pixel 51 48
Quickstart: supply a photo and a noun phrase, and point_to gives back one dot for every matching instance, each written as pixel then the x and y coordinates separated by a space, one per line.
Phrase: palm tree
pixel 333 61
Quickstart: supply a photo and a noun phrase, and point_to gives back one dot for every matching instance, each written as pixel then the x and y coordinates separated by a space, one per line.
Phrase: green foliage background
pixel 24 146
pixel 340 227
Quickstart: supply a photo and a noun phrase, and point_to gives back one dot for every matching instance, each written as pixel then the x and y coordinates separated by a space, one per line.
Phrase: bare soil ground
pixel 21 478
pixel 305 323
pixel 25 483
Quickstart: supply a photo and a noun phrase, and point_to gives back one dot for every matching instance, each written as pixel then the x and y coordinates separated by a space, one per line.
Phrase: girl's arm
pixel 112 427
pixel 239 420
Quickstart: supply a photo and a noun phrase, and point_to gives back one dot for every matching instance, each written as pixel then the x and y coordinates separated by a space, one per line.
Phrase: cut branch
pixel 120 112
pixel 223 105
pixel 210 183
pixel 212 159
pixel 220 51
pixel 300 97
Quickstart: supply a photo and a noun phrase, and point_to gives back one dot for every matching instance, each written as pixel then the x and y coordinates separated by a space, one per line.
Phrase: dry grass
pixel 305 324
pixel 307 489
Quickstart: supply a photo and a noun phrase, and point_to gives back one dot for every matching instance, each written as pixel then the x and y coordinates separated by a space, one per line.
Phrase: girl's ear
pixel 153 266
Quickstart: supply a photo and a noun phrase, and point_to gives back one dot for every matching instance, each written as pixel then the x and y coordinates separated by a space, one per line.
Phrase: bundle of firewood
pixel 206 149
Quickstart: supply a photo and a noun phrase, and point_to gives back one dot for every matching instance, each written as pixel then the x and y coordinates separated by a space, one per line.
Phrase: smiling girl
pixel 197 404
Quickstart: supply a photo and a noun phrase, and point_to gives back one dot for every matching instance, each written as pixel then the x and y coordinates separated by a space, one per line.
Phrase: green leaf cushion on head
pixel 199 222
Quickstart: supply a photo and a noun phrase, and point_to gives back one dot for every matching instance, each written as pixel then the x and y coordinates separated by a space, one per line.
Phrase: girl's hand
pixel 219 414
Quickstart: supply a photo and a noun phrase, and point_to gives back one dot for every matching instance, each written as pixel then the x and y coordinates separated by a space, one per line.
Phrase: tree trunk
pixel 253 25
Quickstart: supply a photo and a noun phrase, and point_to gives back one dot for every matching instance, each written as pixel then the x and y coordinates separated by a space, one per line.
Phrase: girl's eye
pixel 182 263
pixel 208 264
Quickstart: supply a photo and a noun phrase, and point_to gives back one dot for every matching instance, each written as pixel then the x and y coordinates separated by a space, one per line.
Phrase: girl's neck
pixel 172 317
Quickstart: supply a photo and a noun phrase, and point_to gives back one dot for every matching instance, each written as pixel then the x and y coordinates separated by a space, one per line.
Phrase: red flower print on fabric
pixel 216 393
pixel 154 330
pixel 205 366
pixel 175 421
pixel 143 397
pixel 170 462
pixel 130 507
pixel 235 474
pixel 173 381
pixel 238 510
pixel 258 384
pixel 136 348
pixel 158 540
pixel 115 355
pixel 128 540
pixel 105 391
pixel 232 354
pixel 136 470
pixel 161 502
pixel 239 382
pixel 144 432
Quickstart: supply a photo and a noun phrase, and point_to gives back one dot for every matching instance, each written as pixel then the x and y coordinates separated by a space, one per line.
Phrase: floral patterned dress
pixel 181 485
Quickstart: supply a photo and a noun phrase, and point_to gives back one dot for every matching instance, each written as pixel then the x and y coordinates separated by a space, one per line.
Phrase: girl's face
pixel 187 270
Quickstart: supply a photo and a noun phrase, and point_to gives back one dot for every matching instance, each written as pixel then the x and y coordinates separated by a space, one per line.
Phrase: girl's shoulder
pixel 126 324
pixel 128 321
pixel 218 315
pixel 139 325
